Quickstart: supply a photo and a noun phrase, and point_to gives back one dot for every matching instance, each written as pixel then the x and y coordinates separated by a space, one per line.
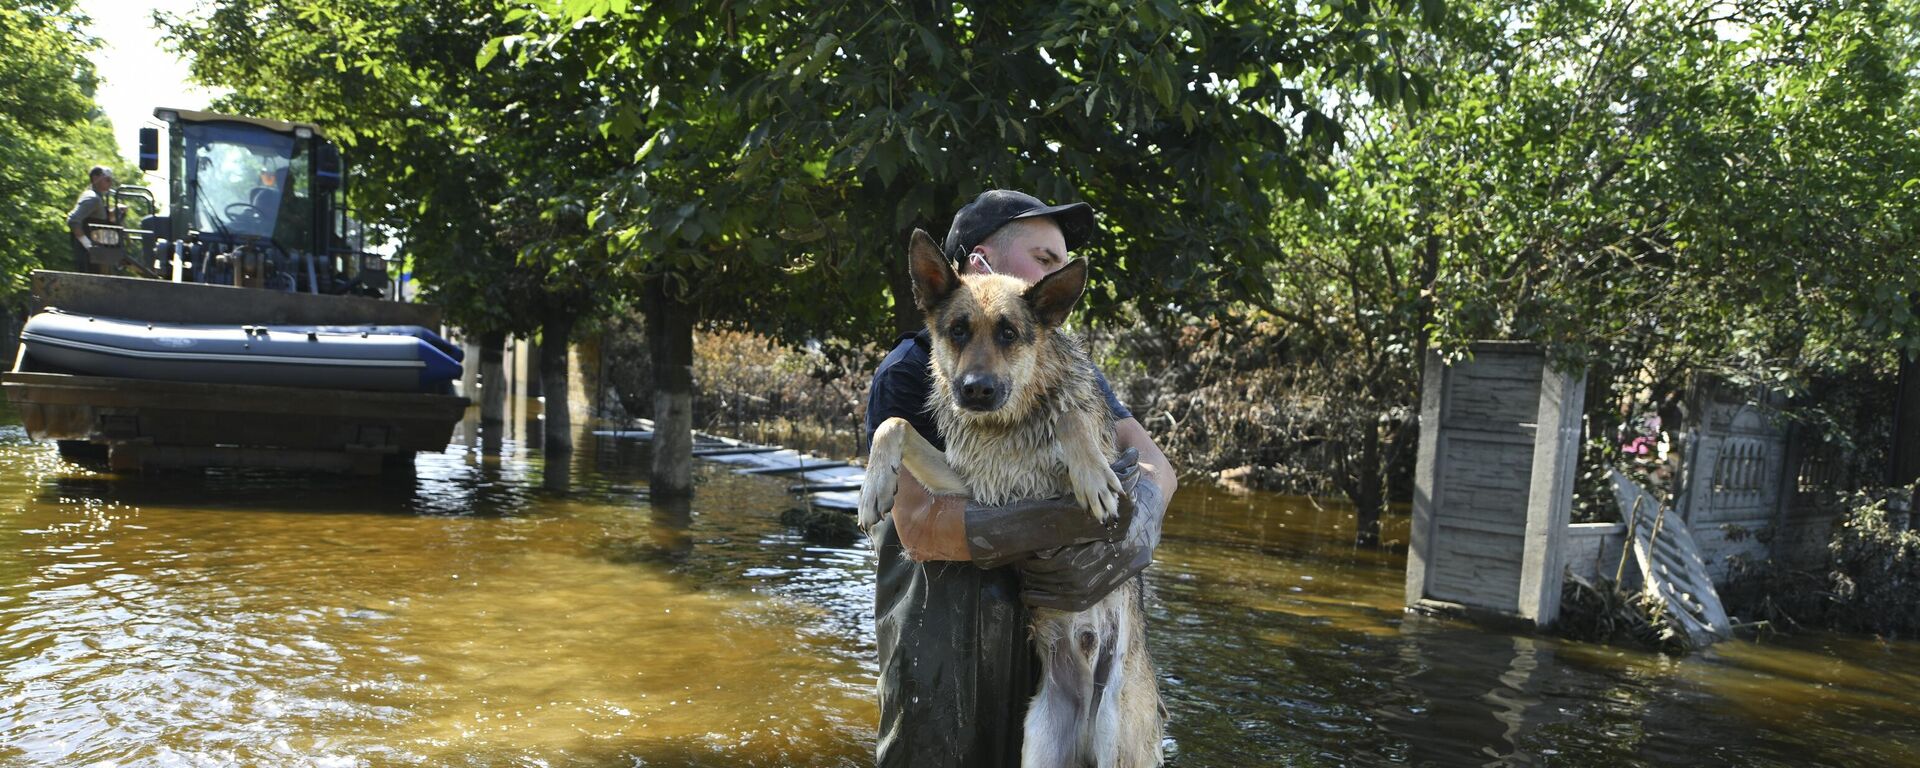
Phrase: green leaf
pixel 1162 86
pixel 648 146
pixel 579 9
pixel 822 54
pixel 488 50
pixel 936 53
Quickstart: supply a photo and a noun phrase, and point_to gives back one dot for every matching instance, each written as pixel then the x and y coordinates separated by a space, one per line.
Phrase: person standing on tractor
pixel 91 208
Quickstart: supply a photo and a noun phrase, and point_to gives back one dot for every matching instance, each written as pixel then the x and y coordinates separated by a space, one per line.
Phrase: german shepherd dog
pixel 1016 399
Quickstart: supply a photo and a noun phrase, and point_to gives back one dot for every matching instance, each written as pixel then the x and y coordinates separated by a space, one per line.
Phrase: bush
pixel 1875 572
pixel 751 387
pixel 1868 584
pixel 1251 402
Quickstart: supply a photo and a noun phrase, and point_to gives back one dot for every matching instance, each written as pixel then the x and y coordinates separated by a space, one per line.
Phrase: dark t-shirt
pixel 956 670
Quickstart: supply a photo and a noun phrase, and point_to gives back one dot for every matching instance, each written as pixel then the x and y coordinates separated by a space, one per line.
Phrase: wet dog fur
pixel 1016 399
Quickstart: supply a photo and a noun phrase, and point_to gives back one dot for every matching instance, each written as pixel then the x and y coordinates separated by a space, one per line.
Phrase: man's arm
pixel 1154 466
pixel 83 209
pixel 935 527
pixel 930 527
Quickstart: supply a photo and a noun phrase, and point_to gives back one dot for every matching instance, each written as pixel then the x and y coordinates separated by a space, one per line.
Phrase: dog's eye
pixel 1007 334
pixel 958 332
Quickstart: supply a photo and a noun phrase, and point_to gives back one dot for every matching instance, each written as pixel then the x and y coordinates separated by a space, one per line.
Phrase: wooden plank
pixel 1497 391
pixel 1489 587
pixel 836 500
pixel 736 450
pixel 1483 482
pixel 1478 545
pixel 791 469
pixel 1475 525
pixel 161 301
pixel 1477 569
pixel 804 488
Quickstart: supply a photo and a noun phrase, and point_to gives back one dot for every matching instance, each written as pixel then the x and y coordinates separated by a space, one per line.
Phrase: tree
pixel 784 150
pixel 54 132
pixel 1648 188
pixel 480 173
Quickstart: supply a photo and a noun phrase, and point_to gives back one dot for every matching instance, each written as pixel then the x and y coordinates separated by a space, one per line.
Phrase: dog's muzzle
pixel 981 392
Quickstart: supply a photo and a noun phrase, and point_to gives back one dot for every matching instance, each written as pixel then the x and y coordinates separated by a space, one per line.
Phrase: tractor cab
pixel 249 202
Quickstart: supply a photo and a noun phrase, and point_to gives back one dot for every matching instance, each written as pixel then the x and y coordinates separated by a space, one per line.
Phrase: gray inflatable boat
pixel 378 358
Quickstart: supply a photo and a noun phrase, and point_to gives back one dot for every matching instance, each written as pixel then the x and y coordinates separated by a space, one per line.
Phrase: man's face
pixel 103 183
pixel 1033 254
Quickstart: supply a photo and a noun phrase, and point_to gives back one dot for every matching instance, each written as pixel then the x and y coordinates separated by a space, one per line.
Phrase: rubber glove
pixel 1074 578
pixel 1007 533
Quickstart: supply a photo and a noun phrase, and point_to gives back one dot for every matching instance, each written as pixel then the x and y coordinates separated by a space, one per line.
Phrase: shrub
pixel 1867 585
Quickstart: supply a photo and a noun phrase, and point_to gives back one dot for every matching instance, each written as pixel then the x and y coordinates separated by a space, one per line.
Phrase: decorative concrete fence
pixel 1499 441
pixel 1733 478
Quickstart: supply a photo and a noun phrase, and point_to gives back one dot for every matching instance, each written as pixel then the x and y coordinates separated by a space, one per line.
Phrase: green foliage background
pixel 1654 189
pixel 51 132
pixel 1560 171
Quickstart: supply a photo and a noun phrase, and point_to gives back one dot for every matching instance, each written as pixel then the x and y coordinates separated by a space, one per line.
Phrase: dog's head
pixel 989 332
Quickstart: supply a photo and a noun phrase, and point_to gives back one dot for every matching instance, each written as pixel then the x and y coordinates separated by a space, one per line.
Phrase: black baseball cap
pixel 995 207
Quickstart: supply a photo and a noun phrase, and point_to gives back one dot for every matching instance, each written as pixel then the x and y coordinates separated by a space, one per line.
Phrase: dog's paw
pixel 1097 489
pixel 876 494
pixel 883 473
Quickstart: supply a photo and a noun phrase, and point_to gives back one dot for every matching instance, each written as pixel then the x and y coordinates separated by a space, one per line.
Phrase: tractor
pixel 249 202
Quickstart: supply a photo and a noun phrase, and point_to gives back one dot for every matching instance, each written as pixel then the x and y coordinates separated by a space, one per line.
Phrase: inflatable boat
pixel 373 358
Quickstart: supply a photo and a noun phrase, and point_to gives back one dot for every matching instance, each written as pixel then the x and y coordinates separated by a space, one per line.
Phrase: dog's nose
pixel 979 392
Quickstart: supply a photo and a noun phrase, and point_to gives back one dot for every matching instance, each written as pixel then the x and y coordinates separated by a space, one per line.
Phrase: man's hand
pixel 1074 578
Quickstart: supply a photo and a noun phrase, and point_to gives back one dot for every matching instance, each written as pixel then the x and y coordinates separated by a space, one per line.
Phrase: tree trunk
pixel 1367 496
pixel 555 330
pixel 493 377
pixel 1424 306
pixel 470 367
pixel 1906 424
pixel 906 317
pixel 670 344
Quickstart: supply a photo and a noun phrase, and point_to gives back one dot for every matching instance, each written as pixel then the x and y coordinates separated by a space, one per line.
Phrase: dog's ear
pixel 1054 296
pixel 933 278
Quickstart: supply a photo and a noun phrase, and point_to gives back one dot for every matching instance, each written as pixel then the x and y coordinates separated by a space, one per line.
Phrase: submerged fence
pixel 1494 479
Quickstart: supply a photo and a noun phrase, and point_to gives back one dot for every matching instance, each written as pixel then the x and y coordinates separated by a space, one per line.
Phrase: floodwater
pixel 474 614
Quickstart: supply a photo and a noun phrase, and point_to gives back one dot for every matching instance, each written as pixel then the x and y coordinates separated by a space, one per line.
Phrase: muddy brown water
pixel 471 614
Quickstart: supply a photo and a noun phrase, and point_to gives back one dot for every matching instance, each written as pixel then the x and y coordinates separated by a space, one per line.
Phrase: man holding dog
pixel 956 578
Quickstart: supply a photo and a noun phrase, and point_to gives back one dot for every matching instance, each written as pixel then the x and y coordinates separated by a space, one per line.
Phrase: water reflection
pixel 451 618
pixel 672 521
pixel 477 614
pixel 1474 706
pixel 556 476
